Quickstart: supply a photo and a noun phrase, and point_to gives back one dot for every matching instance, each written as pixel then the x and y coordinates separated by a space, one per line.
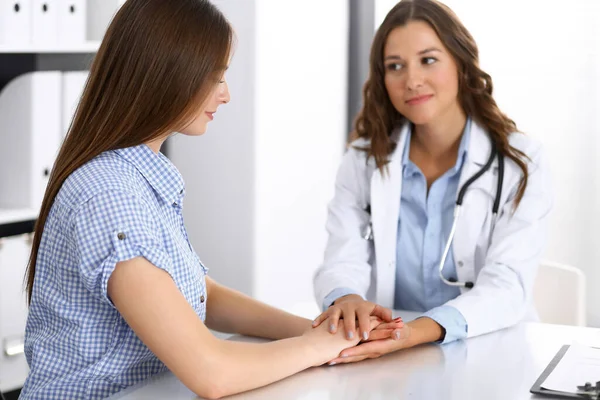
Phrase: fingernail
pixel 332 363
pixel 365 336
pixel 350 335
pixel 397 335
pixel 331 328
pixel 344 356
pixel 398 319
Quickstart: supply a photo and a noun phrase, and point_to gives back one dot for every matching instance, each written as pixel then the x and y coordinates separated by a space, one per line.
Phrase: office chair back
pixel 559 294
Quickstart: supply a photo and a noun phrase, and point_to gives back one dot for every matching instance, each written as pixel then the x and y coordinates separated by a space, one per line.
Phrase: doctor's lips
pixel 210 114
pixel 418 99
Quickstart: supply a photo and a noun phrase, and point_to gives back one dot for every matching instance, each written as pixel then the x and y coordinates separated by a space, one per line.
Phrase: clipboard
pixel 537 386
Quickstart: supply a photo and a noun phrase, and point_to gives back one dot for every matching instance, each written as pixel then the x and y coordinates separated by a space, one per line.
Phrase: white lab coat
pixel 502 259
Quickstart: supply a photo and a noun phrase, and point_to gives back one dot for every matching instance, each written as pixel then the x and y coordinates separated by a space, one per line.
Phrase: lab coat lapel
pixel 385 208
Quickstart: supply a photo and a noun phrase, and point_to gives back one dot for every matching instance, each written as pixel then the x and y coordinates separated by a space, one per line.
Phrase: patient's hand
pixel 376 348
pixel 422 330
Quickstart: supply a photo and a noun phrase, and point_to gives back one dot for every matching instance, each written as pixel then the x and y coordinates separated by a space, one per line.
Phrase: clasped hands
pixel 380 334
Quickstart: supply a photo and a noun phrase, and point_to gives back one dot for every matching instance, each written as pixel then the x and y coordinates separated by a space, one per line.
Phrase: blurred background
pixel 259 181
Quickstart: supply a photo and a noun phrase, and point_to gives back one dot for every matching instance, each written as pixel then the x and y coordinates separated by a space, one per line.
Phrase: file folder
pixel 15 22
pixel 30 131
pixel 99 15
pixel 73 83
pixel 72 21
pixel 44 22
pixel 14 254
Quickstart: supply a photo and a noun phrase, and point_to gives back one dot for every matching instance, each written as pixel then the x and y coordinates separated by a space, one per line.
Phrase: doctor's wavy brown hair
pixel 378 117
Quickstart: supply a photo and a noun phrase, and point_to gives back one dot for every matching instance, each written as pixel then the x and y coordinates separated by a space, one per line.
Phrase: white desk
pixel 502 365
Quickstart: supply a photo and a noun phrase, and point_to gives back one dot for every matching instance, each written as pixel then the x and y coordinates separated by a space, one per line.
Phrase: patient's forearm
pixel 245 366
pixel 233 312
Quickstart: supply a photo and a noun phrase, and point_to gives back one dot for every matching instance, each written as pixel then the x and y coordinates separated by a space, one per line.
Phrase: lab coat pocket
pixel 473 232
pixel 465 269
pixel 474 223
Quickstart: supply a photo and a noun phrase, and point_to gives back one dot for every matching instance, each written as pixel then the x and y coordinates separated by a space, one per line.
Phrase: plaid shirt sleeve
pixel 111 227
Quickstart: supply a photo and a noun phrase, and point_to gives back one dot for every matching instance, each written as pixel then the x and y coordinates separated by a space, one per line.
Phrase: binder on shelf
pixel 99 15
pixel 72 16
pixel 15 22
pixel 73 83
pixel 44 22
pixel 30 132
pixel 15 244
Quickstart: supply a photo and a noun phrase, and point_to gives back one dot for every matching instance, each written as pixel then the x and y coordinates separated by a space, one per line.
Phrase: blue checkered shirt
pixel 123 204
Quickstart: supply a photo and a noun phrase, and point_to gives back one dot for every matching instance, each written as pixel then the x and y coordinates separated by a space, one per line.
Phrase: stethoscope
pixel 368 234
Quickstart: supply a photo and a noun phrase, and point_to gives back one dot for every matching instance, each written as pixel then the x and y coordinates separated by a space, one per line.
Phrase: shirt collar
pixel 462 149
pixel 158 171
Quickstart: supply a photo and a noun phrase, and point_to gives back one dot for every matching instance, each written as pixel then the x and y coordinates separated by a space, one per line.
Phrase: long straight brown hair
pixel 378 117
pixel 157 64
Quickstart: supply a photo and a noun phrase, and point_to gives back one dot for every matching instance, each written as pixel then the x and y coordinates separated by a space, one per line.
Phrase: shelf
pixel 86 47
pixel 8 216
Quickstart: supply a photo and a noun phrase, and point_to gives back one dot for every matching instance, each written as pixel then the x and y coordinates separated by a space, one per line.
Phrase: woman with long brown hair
pixel 440 204
pixel 116 292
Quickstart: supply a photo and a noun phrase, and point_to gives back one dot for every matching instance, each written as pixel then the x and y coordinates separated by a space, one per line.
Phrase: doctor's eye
pixel 428 60
pixel 393 67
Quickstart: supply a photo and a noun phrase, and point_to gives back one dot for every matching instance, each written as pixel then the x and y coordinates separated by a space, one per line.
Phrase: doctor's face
pixel 421 77
pixel 218 96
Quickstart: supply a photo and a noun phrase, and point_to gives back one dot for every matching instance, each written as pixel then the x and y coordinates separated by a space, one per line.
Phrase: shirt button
pixel 460 263
pixel 175 204
pixel 202 299
pixel 121 236
pixel 181 191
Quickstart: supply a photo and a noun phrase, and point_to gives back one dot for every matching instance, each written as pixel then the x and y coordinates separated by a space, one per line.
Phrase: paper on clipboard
pixel 580 364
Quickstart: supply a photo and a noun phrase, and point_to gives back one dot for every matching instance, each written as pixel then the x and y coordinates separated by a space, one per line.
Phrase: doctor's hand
pixel 413 333
pixel 352 308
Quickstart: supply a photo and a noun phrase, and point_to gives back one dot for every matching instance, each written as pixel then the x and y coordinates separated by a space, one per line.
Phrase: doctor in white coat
pixel 429 124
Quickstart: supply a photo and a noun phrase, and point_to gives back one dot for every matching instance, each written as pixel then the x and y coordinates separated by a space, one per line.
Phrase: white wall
pixel 302 100
pixel 544 58
pixel 258 182
pixel 218 168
